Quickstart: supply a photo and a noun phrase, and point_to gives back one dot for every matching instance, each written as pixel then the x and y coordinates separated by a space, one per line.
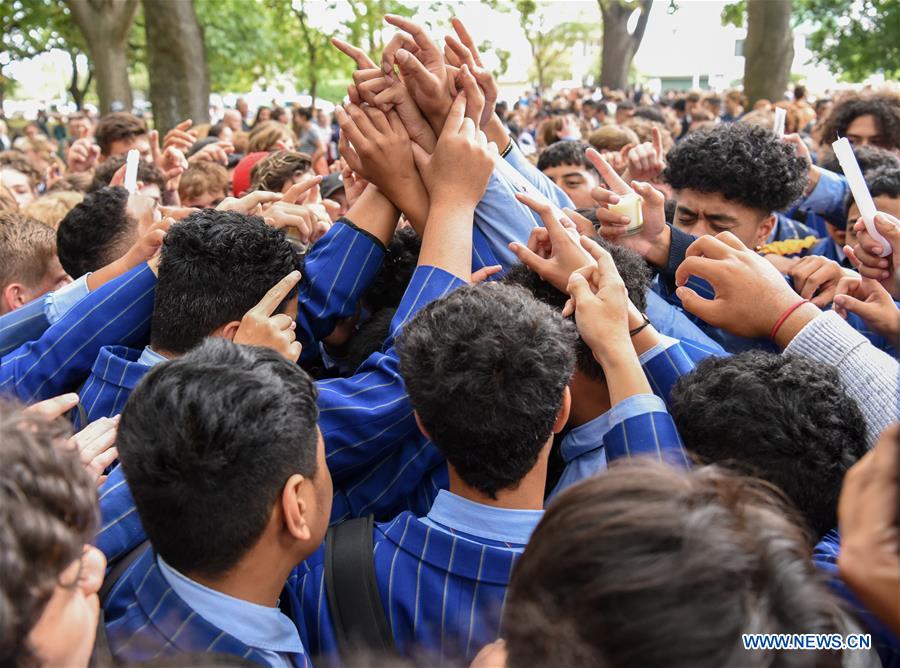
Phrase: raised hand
pixel 866 252
pixel 381 148
pixel 180 137
pixel 251 203
pixel 54 407
pixel 553 251
pixel 299 211
pixel 83 153
pixel 868 299
pixel 652 240
pixel 462 161
pixel 259 327
pixel 170 161
pixel 462 51
pixel 423 71
pixel 217 152
pixel 751 296
pixel 646 161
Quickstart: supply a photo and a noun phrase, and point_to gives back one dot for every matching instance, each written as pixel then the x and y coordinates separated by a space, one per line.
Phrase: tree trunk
pixel 176 62
pixel 78 92
pixel 768 50
pixel 105 25
pixel 619 46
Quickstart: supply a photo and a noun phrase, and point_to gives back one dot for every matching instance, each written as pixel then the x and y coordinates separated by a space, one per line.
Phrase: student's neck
pixel 528 495
pixel 590 399
pixel 257 578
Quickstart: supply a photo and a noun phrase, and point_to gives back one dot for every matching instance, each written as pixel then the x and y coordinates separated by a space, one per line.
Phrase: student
pixel 19 177
pixel 565 164
pixel 101 227
pixel 227 470
pixel 150 181
pixel 624 566
pixel 736 177
pixel 784 419
pixel 203 185
pixel 51 573
pixel 29 267
pixel 866 119
pixel 279 170
pixel 119 132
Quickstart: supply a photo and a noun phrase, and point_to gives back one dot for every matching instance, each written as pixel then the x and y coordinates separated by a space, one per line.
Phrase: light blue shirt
pixel 827 198
pixel 582 447
pixel 150 357
pixel 267 630
pixel 505 525
pixel 57 303
pixel 669 320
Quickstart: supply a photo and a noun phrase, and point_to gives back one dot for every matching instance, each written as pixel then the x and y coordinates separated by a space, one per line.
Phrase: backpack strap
pixel 116 572
pixel 356 609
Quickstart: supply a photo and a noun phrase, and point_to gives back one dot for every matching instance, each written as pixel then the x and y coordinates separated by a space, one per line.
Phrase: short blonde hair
pixel 612 138
pixel 203 177
pixel 51 208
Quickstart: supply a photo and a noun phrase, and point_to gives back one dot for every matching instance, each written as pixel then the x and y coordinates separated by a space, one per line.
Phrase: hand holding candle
pixel 131 170
pixel 861 195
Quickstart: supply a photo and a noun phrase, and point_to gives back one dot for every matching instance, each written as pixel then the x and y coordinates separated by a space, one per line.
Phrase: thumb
pixel 864 310
pixel 83 132
pixel 528 257
pixel 657 142
pixel 312 197
pixel 154 144
pixel 578 287
pixel 421 157
pixel 691 301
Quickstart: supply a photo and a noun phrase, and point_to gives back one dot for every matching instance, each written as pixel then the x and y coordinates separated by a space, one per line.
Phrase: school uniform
pixel 338 269
pixel 118 312
pixel 153 611
pixel 827 248
pixel 442 577
pixel 374 450
pixel 29 322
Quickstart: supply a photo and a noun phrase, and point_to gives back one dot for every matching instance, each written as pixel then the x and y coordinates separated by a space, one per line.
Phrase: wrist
pixel 496 133
pixel 815 174
pixel 659 252
pixel 794 322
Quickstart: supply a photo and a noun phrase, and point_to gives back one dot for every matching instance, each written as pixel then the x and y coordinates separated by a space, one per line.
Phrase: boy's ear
pixel 228 330
pixel 295 508
pixel 765 229
pixel 13 297
pixel 421 426
pixel 563 416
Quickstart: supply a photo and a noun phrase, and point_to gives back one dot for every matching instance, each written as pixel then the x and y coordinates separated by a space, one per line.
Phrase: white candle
pixel 780 116
pixel 861 195
pixel 131 170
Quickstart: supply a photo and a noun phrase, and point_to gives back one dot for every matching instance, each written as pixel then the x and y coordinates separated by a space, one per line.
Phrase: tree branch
pixel 641 26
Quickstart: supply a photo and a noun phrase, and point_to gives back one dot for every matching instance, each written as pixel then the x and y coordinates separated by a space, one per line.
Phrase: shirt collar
pixel 509 525
pixel 585 438
pixel 254 625
pixel 150 357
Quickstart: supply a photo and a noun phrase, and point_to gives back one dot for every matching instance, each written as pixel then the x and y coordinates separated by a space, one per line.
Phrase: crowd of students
pixel 303 396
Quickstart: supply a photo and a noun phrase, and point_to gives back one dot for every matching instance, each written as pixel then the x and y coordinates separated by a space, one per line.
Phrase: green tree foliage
pixel 551 47
pixel 854 38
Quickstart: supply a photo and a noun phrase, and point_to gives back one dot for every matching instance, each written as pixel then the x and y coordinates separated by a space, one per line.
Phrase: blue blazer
pixel 118 312
pixel 146 619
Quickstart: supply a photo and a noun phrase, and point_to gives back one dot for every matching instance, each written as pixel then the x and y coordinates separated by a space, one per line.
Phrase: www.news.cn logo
pixel 809 641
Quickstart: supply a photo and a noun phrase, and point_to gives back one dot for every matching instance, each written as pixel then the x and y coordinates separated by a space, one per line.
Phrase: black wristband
pixel 637 330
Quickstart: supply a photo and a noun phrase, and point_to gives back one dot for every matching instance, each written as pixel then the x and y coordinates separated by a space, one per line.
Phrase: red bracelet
pixel 785 316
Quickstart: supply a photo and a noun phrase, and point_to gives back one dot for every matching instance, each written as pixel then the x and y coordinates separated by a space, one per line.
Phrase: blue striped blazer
pixel 146 619
pixel 22 325
pixel 375 452
pixel 116 313
pixel 444 590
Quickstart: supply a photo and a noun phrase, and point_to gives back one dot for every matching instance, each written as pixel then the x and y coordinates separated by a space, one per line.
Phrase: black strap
pixel 356 609
pixel 116 572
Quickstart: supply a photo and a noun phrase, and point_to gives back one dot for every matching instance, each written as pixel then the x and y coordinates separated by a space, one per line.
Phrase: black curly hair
pixel 747 164
pixel 785 419
pixel 634 272
pixel 147 173
pixel 569 152
pixel 883 105
pixel 48 512
pixel 95 232
pixel 485 368
pixel 214 266
pixel 883 181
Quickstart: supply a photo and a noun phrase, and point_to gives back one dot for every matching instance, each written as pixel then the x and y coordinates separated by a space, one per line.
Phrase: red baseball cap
pixel 240 178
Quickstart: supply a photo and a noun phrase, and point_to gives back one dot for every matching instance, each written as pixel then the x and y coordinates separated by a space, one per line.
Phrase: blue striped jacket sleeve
pixel 22 325
pixel 651 434
pixel 120 526
pixel 338 270
pixel 667 363
pixel 374 449
pixel 118 312
pixel 827 198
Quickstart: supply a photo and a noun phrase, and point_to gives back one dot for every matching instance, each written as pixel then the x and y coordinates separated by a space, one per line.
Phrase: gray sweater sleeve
pixel 869 375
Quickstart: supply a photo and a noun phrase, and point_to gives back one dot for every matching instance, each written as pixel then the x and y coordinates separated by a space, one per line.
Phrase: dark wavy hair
pixel 48 512
pixel 648 565
pixel 745 163
pixel 883 105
